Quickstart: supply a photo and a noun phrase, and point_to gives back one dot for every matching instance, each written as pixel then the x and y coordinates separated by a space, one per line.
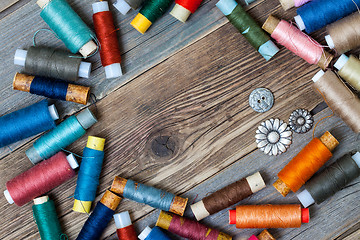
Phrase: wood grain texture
pixel 4 4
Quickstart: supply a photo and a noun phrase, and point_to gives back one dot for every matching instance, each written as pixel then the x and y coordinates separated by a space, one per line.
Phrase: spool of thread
pixel 68 26
pixel 124 6
pixel 60 137
pixel 40 179
pixel 46 219
pixel 183 9
pixel 305 164
pixel 247 26
pixel 227 196
pixel 187 228
pixel 106 34
pixel 344 34
pixel 52 63
pixel 298 42
pixel 349 69
pixel 151 11
pixel 342 101
pixel 89 174
pixel 264 235
pixel 331 180
pixel 51 88
pixel 100 217
pixel 317 14
pixel 287 4
pixel 125 228
pixel 151 196
pixel 153 234
pixel 27 122
pixel 269 216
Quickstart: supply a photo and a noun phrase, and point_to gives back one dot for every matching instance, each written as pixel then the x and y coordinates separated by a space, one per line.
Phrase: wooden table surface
pixel 188 83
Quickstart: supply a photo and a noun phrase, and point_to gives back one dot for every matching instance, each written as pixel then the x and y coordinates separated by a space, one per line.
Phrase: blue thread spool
pixel 60 137
pixel 100 217
pixel 319 13
pixel 88 178
pixel 27 122
pixel 153 234
pixel 68 26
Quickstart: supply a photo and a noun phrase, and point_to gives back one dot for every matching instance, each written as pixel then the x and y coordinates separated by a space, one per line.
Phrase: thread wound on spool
pixel 183 8
pixel 125 229
pixel 350 72
pixel 154 234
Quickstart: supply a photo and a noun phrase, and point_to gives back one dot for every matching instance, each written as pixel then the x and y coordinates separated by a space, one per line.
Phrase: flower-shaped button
pixel 301 121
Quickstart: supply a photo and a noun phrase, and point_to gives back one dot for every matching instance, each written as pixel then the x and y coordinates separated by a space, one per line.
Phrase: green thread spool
pixel 349 70
pixel 46 219
pixel 68 26
pixel 247 26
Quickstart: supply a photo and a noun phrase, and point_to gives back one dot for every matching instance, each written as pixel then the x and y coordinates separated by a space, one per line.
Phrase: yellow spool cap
pixel 82 206
pixel 141 23
pixel 96 143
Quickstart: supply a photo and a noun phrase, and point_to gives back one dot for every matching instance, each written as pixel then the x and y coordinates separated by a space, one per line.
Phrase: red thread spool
pixel 40 179
pixel 125 229
pixel 106 34
pixel 183 9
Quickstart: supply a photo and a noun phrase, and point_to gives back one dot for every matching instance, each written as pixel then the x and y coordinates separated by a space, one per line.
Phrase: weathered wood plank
pixel 4 4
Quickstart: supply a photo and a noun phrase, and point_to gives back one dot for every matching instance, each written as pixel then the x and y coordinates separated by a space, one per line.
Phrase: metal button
pixel 261 100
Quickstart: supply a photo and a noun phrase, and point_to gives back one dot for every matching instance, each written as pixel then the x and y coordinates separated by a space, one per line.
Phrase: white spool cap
pixel 41 200
pixel 8 197
pixel 180 13
pixel 329 41
pixel 305 198
pixel 300 23
pixel 88 49
pixel 20 57
pixel 42 3
pixel 226 6
pixel 144 233
pixel 100 7
pixel 113 70
pixel 122 6
pixel 122 220
pixel 340 63
pixel 84 69
pixel 268 50
pixel 72 161
pixel 53 112
pixel 356 158
pixel 318 75
pixel 199 210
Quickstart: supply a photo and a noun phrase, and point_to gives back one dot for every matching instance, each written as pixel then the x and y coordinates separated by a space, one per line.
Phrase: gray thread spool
pixel 50 62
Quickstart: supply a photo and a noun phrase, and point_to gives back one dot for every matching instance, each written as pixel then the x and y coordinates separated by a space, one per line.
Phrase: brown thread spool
pixel 75 93
pixel 269 216
pixel 349 70
pixel 283 186
pixel 228 196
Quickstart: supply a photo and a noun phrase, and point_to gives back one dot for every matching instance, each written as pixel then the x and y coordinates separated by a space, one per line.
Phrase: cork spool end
pixel 118 185
pixel 111 200
pixel 325 60
pixel 178 205
pixel 281 187
pixel 265 235
pixel 164 220
pixel 22 82
pixel 329 141
pixel 270 24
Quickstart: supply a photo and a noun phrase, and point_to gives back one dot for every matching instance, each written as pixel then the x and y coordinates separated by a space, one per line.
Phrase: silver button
pixel 261 100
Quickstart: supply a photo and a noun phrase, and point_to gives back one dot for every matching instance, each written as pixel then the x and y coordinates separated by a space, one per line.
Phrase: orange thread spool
pixel 269 216
pixel 304 165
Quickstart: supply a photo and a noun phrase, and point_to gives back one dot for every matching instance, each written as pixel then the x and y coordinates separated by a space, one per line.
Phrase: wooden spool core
pixel 22 82
pixel 118 185
pixel 265 235
pixel 111 200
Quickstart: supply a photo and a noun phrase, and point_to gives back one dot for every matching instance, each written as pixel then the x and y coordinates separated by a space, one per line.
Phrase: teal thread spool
pixel 46 219
pixel 248 28
pixel 60 137
pixel 68 26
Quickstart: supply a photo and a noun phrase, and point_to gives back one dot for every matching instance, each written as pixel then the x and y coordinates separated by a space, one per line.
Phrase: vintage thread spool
pixel 247 26
pixel 317 14
pixel 264 235
pixel 40 179
pixel 89 174
pixel 27 122
pixel 188 228
pixel 106 34
pixel 183 9
pixel 151 196
pixel 342 101
pixel 52 63
pixel 46 219
pixel 60 137
pixel 100 217
pixel 269 216
pixel 228 196
pixel 125 228
pixel 124 6
pixel 153 234
pixel 287 4
pixel 51 88
pixel 344 34
pixel 305 164
pixel 349 70
pixel 298 42
pixel 331 180
pixel 149 13
pixel 68 26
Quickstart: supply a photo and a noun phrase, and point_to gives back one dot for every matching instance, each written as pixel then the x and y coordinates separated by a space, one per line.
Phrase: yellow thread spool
pixel 141 23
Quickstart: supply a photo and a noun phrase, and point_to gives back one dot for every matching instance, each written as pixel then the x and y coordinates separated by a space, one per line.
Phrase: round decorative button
pixel 261 100
pixel 301 120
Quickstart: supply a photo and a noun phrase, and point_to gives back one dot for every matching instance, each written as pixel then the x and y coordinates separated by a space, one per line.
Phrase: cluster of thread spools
pixel 48 71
